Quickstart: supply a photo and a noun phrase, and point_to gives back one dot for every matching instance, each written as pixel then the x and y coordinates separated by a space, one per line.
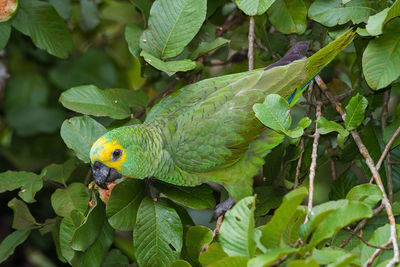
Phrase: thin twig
pixel 55 184
pixel 215 232
pixel 313 166
pixel 325 102
pixel 384 115
pixel 359 236
pixel 360 226
pixel 250 53
pixel 300 161
pixel 331 160
pixel 370 163
pixel 229 23
pixel 376 253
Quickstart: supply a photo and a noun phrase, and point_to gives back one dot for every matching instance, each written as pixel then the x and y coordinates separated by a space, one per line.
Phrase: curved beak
pixel 103 174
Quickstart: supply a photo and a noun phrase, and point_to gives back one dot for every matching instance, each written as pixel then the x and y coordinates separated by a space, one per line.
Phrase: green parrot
pixel 207 131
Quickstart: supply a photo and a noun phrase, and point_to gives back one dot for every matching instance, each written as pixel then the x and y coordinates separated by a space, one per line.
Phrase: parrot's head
pixel 108 157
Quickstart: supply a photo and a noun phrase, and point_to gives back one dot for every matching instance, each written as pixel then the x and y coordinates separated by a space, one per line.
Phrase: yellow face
pixel 110 153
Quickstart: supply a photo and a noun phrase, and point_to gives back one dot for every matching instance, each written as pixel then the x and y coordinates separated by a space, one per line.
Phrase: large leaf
pixel 206 47
pixel 381 58
pixel 254 7
pixel 40 21
pixel 88 99
pixel 144 6
pixel 237 231
pixel 271 256
pixel 237 261
pixel 273 232
pixel 172 25
pixel 90 227
pixel 22 216
pixel 74 197
pixel 28 182
pixel 67 230
pixel 199 197
pixel 60 173
pixel 288 16
pixel 369 194
pixel 332 12
pixel 350 212
pixel 197 237
pixel 123 204
pixel 213 254
pixel 93 256
pixel 355 110
pixel 376 22
pixel 8 244
pixel 158 234
pixel 5 32
pixel 132 37
pixel 115 258
pixel 169 67
pixel 79 134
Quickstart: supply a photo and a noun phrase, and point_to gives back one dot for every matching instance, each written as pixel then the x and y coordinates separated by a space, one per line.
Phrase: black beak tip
pixel 103 174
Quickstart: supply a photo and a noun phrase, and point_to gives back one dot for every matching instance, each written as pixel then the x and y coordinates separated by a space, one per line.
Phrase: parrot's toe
pixel 223 207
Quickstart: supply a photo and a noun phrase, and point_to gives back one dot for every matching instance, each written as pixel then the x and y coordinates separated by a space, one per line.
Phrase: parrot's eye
pixel 116 154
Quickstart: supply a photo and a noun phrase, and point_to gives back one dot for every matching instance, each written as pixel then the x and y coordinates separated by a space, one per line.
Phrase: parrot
pixel 207 131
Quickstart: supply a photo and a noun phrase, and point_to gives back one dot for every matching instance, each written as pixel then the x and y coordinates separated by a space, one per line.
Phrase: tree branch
pixel 250 53
pixel 370 163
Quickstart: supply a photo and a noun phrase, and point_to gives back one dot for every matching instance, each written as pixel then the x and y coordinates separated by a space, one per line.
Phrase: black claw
pixel 223 207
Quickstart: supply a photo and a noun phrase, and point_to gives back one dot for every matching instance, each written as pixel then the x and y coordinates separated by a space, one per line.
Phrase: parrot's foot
pixel 223 207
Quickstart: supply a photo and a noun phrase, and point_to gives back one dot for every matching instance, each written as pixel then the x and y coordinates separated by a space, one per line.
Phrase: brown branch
pixel 313 166
pixel 331 160
pixel 215 232
pixel 300 161
pixel 229 23
pixel 376 253
pixel 360 226
pixel 359 236
pixel 250 53
pixel 370 163
pixel 325 102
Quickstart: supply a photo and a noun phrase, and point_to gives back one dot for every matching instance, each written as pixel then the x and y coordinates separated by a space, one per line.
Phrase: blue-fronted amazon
pixel 207 131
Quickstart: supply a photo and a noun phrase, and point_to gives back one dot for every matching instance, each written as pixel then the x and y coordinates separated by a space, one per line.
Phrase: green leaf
pixel 379 237
pixel 60 173
pixel 206 47
pixel 213 254
pixel 330 255
pixel 74 197
pixel 254 7
pixel 67 230
pixel 180 263
pixel 63 7
pixel 271 256
pixel 310 262
pixel 94 255
pixel 123 204
pixel 369 194
pixel 28 182
pixel 169 67
pixel 355 111
pixel 350 212
pixel 273 232
pixel 268 197
pixel 115 258
pixel 382 56
pixel 90 100
pixel 325 127
pixel 376 22
pixel 237 230
pixel 288 16
pixel 89 18
pixel 144 6
pixel 79 134
pixel 199 197
pixel 299 130
pixel 5 32
pixel 40 21
pixel 197 237
pixel 8 245
pixel 341 186
pixel 87 232
pixel 235 261
pixel 172 25
pixel 94 67
pixel 131 97
pixel 22 216
pixel 274 113
pixel 332 12
pixel 132 37
pixel 157 236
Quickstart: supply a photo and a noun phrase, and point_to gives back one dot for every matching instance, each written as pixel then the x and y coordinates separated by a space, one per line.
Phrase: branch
pixel 313 166
pixel 359 236
pixel 300 161
pixel 230 22
pixel 375 255
pixel 250 53
pixel 370 163
pixel 384 115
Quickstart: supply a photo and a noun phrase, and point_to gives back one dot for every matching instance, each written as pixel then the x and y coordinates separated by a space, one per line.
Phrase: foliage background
pixel 120 58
